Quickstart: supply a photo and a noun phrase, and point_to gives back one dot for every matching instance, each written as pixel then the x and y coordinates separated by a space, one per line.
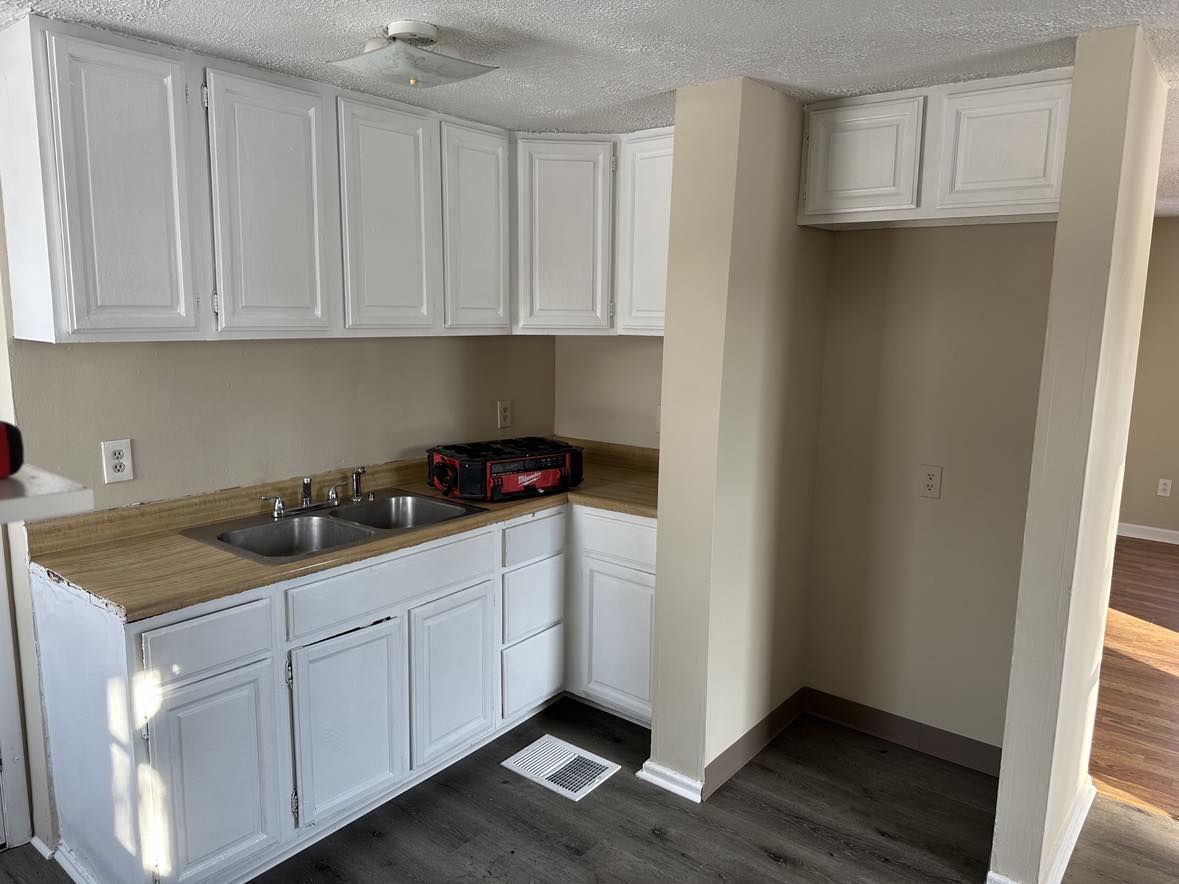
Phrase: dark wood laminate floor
pixel 1135 756
pixel 822 804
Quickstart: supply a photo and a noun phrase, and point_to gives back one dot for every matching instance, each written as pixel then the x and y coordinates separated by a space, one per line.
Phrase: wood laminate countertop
pixel 148 574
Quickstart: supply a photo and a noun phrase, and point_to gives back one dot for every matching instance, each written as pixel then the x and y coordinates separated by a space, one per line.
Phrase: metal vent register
pixel 561 767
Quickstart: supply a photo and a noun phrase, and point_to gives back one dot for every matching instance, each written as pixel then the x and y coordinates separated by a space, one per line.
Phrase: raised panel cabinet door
pixel 392 217
pixel 475 228
pixel 272 223
pixel 644 217
pixel 564 234
pixel 213 751
pixel 1004 146
pixel 351 718
pixel 618 617
pixel 864 156
pixel 122 165
pixel 452 662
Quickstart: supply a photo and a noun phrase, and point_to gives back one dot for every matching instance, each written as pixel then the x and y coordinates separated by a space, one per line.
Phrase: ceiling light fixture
pixel 401 55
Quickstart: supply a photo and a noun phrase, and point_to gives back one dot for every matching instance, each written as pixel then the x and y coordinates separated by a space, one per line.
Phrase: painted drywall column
pixel 741 367
pixel 1094 317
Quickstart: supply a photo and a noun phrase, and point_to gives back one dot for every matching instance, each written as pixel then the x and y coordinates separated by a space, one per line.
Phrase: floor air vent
pixel 565 769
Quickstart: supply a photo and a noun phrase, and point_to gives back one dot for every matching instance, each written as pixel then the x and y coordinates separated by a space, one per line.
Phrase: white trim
pixel 41 847
pixel 72 866
pixel 1148 532
pixel 666 778
pixel 996 878
pixel 16 827
pixel 1068 840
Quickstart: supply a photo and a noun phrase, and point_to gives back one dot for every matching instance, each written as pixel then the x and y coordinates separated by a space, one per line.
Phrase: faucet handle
pixel 279 506
pixel 333 494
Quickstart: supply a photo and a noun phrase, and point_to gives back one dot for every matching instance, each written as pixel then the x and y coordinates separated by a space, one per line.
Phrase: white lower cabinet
pixel 619 616
pixel 179 754
pixel 213 752
pixel 452 647
pixel 350 717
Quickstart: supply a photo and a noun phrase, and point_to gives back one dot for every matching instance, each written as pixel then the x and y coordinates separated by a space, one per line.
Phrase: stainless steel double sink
pixel 326 527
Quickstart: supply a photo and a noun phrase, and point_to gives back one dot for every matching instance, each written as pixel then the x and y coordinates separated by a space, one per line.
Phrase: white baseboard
pixel 1147 532
pixel 996 878
pixel 1068 840
pixel 666 778
pixel 70 865
pixel 41 847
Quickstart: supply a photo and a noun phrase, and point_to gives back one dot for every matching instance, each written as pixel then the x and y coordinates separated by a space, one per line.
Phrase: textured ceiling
pixel 612 65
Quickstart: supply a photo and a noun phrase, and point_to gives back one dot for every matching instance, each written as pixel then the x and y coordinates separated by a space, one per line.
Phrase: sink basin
pixel 401 511
pixel 293 537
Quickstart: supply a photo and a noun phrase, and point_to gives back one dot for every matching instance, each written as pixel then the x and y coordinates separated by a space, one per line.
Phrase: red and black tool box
pixel 504 469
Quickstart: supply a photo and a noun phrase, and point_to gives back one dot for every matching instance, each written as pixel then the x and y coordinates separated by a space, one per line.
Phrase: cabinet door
pixel 213 751
pixel 564 234
pixel 644 216
pixel 452 648
pixel 392 217
pixel 273 223
pixel 618 616
pixel 863 156
pixel 475 228
pixel 1004 146
pixel 120 120
pixel 351 718
pixel 533 670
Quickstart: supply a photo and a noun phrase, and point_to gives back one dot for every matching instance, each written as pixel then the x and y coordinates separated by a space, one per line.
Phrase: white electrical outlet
pixel 931 481
pixel 1164 488
pixel 503 413
pixel 116 461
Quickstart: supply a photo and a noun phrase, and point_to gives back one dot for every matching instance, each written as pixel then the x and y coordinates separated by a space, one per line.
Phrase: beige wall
pixel 1153 451
pixel 932 357
pixel 607 388
pixel 1094 313
pixel 210 415
pixel 740 393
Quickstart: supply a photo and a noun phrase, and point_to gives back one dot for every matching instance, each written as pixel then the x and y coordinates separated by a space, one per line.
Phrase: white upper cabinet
pixel 1005 146
pixel 563 217
pixel 95 170
pixel 644 216
pixel 475 228
pixel 392 218
pixel 275 218
pixel 988 148
pixel 864 156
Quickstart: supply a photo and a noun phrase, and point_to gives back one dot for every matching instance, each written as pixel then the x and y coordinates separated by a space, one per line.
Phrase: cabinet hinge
pixel 290 675
pixel 295 804
pixel 611 311
pixel 204 96
pixel 144 733
pixel 216 299
pixel 613 162
pixel 155 875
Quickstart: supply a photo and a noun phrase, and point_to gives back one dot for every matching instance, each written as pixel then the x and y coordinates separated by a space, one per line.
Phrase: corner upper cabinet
pixel 563 227
pixel 644 219
pixel 275 208
pixel 97 193
pixel 392 218
pixel 475 230
pixel 863 156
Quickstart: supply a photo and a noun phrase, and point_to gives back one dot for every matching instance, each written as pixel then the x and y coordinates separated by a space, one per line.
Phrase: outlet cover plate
pixel 117 465
pixel 931 481
pixel 503 413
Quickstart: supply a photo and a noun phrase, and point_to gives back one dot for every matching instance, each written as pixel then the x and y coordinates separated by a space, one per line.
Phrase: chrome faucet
pixel 279 507
pixel 306 491
pixel 357 493
pixel 333 495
